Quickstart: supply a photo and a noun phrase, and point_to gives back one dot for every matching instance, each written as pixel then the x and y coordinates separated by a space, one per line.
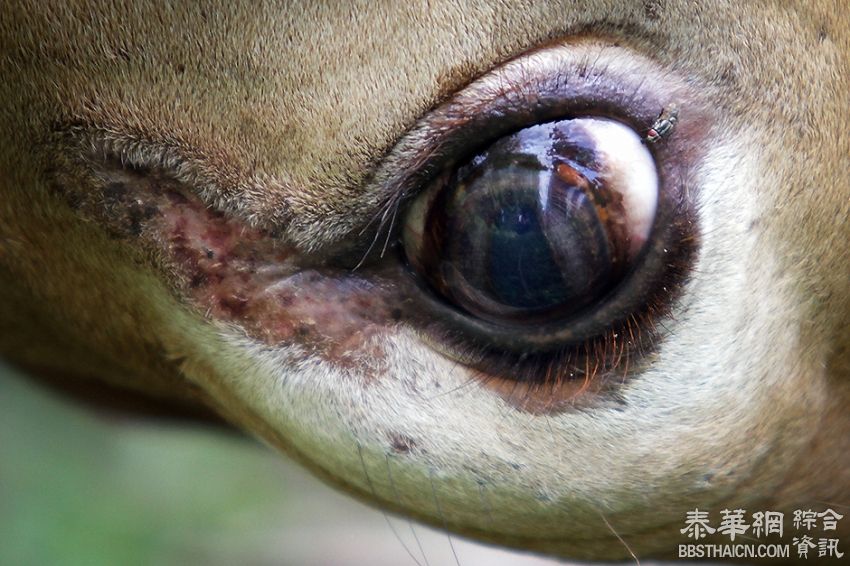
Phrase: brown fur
pixel 281 116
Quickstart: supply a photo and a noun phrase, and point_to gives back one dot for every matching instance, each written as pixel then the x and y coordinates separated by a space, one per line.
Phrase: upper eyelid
pixel 589 62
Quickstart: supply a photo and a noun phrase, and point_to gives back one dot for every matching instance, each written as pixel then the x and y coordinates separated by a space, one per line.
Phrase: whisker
pixel 398 502
pixel 465 385
pixel 375 496
pixel 619 538
pixel 366 226
pixel 367 252
pixel 442 517
pixel 506 410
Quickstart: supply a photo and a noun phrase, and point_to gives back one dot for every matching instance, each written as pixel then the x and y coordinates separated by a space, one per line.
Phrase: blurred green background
pixel 78 488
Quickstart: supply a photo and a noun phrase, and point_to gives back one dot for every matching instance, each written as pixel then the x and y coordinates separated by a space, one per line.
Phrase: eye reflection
pixel 539 225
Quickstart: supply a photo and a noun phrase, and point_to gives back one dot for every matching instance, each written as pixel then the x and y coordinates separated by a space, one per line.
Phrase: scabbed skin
pixel 303 138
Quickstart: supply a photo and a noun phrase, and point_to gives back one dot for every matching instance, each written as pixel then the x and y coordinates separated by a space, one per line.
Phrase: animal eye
pixel 548 219
pixel 538 226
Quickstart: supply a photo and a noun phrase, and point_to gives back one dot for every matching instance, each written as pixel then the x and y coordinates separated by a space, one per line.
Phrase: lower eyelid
pixel 583 376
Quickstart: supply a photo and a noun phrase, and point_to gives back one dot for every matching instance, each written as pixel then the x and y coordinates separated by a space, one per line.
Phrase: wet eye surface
pixel 540 224
pixel 545 238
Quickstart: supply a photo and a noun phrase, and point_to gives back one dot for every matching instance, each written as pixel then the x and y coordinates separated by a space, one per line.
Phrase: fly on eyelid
pixel 663 125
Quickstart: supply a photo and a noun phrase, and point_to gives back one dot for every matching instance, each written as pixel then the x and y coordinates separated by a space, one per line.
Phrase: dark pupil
pixel 521 235
pixel 521 271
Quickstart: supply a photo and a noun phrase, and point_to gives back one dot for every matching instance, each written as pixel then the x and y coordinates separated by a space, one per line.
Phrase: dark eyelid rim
pixel 555 83
pixel 531 89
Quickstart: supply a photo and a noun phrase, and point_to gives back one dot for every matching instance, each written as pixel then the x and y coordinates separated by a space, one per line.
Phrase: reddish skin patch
pixel 248 278
pixel 242 275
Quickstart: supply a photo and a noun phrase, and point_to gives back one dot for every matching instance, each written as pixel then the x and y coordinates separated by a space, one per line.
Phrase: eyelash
pixel 594 364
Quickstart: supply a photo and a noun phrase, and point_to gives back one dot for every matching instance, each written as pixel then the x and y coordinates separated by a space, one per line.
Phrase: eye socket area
pixel 567 87
pixel 540 224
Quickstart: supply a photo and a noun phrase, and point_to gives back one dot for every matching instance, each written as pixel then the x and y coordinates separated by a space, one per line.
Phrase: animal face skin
pixel 190 196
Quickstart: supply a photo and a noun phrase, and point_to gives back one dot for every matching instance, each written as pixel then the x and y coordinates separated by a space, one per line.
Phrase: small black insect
pixel 663 125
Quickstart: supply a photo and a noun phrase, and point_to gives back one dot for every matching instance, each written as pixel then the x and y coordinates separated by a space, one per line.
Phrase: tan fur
pixel 287 116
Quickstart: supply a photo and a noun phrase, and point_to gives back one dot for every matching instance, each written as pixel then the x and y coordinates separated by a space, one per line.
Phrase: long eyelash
pixel 396 200
pixel 390 209
pixel 377 236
